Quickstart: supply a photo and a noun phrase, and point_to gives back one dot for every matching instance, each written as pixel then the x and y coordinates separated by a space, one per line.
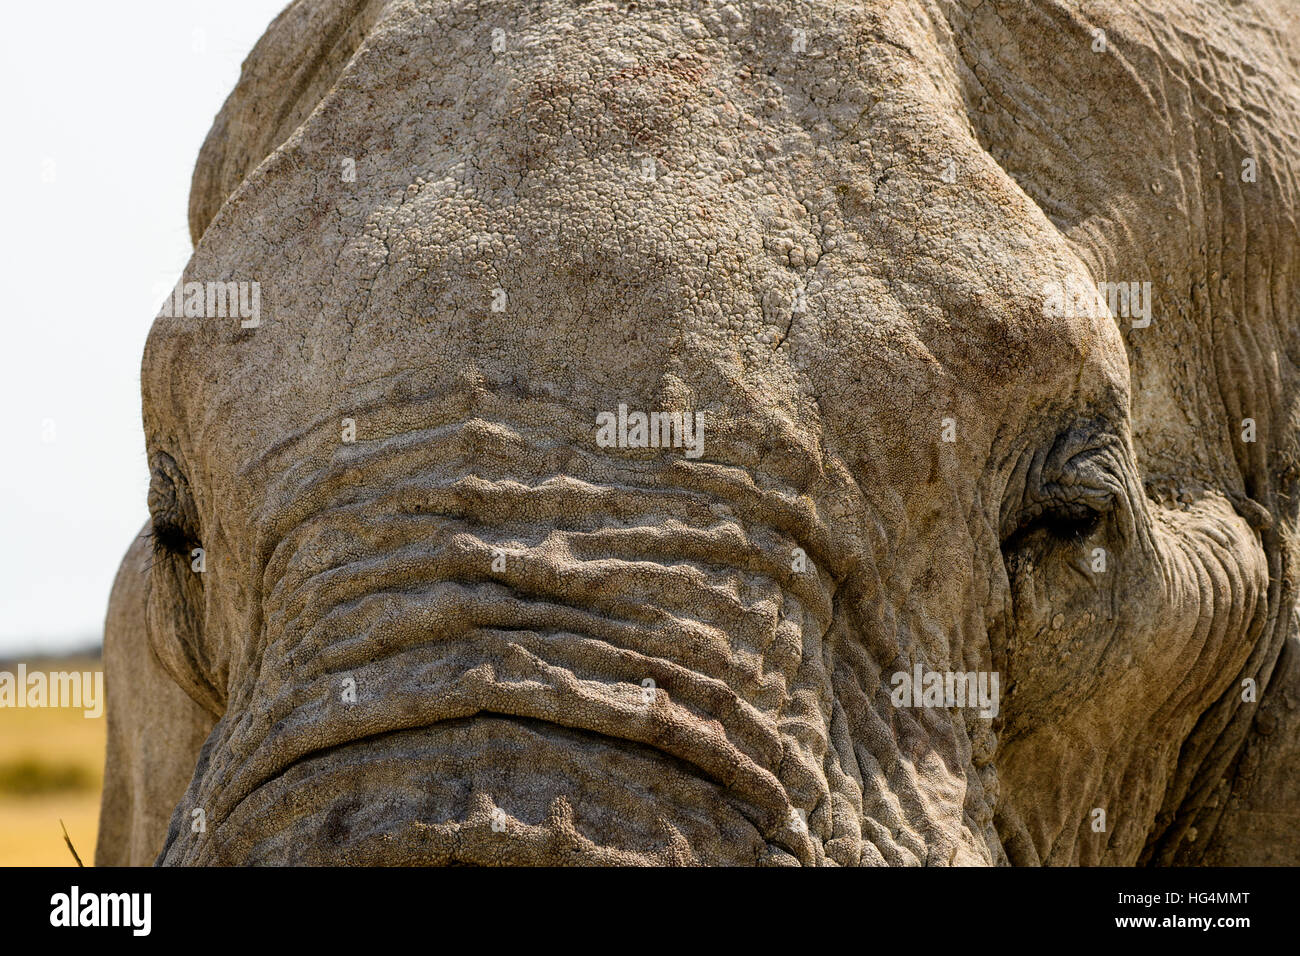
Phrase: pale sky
pixel 105 107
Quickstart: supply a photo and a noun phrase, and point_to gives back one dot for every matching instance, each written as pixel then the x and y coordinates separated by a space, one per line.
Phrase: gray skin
pixel 651 185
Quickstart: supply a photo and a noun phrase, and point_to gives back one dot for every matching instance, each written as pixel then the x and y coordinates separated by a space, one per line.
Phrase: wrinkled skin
pixel 496 587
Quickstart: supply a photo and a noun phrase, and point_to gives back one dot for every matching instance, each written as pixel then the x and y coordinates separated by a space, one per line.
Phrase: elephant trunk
pixel 527 650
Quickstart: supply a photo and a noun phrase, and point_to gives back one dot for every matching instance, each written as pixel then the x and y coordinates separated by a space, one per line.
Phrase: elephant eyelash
pixel 170 538
pixel 1065 523
pixel 166 541
pixel 1069 520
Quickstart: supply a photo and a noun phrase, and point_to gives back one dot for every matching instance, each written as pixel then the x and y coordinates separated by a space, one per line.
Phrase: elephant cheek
pixel 1215 597
pixel 1111 673
pixel 1118 629
pixel 175 612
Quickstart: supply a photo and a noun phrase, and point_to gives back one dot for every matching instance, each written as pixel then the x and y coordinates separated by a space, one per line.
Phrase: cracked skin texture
pixel 431 644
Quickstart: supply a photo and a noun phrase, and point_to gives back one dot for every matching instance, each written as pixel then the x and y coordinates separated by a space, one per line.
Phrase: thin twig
pixel 71 849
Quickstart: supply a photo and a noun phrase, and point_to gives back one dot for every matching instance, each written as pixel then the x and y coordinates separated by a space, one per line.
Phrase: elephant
pixel 780 432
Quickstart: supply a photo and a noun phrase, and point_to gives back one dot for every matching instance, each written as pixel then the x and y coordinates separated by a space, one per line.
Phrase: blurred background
pixel 106 106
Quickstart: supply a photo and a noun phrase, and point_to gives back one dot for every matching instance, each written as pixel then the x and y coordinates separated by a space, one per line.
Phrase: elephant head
pixel 640 418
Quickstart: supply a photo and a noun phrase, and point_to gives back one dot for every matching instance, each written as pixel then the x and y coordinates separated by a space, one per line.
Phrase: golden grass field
pixel 51 768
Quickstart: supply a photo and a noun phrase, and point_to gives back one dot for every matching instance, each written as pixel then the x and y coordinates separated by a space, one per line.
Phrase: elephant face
pixel 642 400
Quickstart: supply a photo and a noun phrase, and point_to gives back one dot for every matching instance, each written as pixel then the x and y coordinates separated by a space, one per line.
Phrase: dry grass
pixel 51 768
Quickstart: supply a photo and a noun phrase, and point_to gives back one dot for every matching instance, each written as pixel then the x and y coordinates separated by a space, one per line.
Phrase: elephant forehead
pixel 650 219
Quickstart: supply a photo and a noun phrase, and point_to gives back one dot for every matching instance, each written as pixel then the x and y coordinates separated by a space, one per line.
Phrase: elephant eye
pixel 1064 521
pixel 169 537
pixel 173 523
pixel 1068 490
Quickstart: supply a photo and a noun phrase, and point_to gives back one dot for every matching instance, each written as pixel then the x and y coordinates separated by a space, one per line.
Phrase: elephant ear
pixel 289 72
pixel 155 729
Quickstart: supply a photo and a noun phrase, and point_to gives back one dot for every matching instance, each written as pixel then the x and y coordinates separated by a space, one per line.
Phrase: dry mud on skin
pixel 752 433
